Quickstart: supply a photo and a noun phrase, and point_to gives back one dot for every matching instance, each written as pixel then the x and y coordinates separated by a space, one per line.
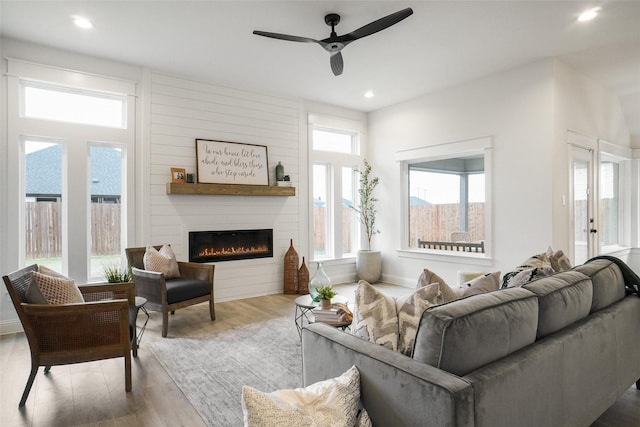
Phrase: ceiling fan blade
pixel 378 25
pixel 285 37
pixel 336 63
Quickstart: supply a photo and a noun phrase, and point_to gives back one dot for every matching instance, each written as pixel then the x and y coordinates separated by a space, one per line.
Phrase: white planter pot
pixel 369 265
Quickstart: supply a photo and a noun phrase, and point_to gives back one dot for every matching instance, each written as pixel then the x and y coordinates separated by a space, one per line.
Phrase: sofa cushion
pixel 463 335
pixel 564 298
pixel 607 282
pixel 183 289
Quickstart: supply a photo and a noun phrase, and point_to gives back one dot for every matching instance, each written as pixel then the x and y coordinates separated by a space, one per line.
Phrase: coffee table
pixel 304 315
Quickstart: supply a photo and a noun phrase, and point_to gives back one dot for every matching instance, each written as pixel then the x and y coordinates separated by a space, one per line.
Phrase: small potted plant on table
pixel 325 293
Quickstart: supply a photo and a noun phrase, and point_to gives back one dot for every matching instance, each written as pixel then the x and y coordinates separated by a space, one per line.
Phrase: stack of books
pixel 336 314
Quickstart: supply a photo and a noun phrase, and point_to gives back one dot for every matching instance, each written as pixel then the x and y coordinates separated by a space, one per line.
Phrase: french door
pixel 584 242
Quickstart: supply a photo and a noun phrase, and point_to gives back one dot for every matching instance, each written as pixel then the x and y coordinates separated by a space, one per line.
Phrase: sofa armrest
pixel 396 390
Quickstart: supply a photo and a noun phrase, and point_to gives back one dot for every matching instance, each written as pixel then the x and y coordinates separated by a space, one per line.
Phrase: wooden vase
pixel 325 304
pixel 303 279
pixel 290 282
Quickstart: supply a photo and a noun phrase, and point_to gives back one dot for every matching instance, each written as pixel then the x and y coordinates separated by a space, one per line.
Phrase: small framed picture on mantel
pixel 220 162
pixel 178 175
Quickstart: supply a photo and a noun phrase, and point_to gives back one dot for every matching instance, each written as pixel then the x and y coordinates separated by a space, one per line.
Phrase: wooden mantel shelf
pixel 230 189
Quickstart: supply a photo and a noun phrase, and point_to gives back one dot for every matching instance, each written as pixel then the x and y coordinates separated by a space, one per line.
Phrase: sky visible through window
pixel 72 107
pixel 444 188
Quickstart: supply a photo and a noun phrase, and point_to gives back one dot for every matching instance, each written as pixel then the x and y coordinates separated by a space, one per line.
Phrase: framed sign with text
pixel 220 162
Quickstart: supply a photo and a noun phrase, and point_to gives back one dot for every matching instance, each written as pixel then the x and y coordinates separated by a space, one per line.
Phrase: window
pixel 334 158
pixel 71 206
pixel 445 197
pixel 446 203
pixel 73 106
pixel 613 192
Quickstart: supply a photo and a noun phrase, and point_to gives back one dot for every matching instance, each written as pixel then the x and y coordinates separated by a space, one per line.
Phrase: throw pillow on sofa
pixel 332 402
pixel 560 262
pixel 46 289
pixel 529 275
pixel 486 283
pixel 163 261
pixel 388 321
pixel 428 277
pixel 539 260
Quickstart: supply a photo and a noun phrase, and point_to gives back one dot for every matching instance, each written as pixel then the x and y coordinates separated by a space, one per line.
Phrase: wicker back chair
pixel 194 286
pixel 61 334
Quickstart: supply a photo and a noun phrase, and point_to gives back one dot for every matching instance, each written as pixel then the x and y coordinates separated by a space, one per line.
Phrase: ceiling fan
pixel 335 43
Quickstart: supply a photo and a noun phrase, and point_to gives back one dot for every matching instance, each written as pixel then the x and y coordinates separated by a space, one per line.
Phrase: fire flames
pixel 210 252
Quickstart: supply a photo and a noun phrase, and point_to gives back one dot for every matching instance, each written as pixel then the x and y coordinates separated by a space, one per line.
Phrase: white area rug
pixel 211 370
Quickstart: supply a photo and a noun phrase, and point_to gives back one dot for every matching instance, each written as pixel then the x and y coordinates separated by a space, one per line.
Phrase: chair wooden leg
pixel 27 388
pixel 165 323
pixel 127 371
pixel 47 369
pixel 212 310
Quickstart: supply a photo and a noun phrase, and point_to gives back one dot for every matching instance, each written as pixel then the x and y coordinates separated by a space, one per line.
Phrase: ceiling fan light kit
pixel 335 43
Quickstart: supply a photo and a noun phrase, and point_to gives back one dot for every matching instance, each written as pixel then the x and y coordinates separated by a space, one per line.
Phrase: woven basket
pixel 303 279
pixel 291 270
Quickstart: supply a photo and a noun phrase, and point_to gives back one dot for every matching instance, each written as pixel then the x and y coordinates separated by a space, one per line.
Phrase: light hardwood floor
pixel 92 394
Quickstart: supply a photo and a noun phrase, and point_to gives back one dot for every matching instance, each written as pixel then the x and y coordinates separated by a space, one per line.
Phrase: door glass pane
pixel 580 211
pixel 43 204
pixel 609 203
pixel 349 224
pixel 321 212
pixel 105 207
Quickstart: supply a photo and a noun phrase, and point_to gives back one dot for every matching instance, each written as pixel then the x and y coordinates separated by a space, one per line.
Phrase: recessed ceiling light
pixel 369 94
pixel 82 22
pixel 588 15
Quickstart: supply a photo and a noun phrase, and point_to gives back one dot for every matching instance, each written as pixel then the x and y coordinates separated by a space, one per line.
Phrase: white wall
pixel 182 110
pixel 514 109
pixel 527 112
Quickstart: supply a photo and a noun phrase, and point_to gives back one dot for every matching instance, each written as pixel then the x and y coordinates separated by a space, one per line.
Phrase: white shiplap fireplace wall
pixel 182 110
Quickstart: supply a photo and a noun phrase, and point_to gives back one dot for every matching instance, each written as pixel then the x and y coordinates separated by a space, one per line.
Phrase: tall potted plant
pixel 368 262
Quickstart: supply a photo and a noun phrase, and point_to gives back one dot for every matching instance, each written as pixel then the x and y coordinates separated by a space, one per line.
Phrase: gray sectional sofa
pixel 556 352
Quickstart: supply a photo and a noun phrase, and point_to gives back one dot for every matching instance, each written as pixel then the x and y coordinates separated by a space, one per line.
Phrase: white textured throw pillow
pixel 52 290
pixel 485 283
pixel 163 261
pixel 388 321
pixel 333 402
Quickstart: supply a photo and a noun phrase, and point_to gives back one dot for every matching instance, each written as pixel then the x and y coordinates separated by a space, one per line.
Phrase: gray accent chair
pixel 194 286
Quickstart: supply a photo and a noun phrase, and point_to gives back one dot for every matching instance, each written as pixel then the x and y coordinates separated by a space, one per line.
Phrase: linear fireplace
pixel 228 245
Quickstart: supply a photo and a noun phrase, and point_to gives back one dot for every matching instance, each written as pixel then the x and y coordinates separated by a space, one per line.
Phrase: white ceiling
pixel 444 43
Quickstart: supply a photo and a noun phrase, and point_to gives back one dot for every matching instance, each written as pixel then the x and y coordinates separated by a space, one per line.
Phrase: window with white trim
pixel 447 208
pixel 68 143
pixel 334 158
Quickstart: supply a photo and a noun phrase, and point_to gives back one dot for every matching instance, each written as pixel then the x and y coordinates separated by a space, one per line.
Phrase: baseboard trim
pixel 12 326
